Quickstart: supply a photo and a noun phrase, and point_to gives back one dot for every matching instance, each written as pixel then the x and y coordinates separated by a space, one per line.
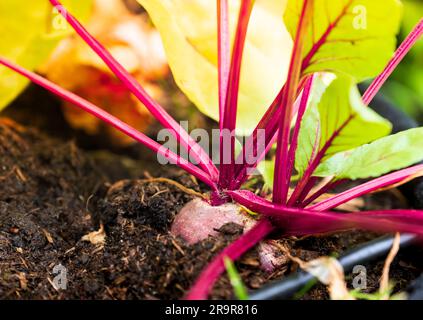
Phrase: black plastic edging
pixel 363 254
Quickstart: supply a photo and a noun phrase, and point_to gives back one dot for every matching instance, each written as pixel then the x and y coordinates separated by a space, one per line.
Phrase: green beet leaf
pixel 377 158
pixel 336 120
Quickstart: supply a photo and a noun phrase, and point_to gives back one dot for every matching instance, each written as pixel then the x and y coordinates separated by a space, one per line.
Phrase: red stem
pixel 129 81
pixel 368 187
pixel 401 52
pixel 282 171
pixel 324 189
pixel 296 201
pixel 231 103
pixel 269 125
pixel 224 54
pixel 108 118
pixel 300 222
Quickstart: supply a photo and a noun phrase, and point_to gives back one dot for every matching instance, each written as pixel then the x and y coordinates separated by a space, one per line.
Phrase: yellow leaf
pixel 28 34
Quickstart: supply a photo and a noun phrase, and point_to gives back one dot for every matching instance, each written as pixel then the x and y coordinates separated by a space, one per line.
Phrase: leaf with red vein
pixel 348 36
pixel 379 157
pixel 333 123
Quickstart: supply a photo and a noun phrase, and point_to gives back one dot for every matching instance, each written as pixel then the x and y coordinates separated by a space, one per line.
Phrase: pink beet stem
pixel 269 126
pixel 224 55
pixel 300 222
pixel 231 103
pixel 282 170
pixel 324 189
pixel 401 52
pixel 303 186
pixel 247 160
pixel 368 187
pixel 129 81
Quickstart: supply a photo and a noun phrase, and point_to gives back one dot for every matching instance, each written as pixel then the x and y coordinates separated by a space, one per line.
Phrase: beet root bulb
pixel 198 220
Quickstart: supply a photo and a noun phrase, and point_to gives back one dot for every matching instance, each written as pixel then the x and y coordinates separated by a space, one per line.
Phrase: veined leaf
pixel 346 122
pixel 356 37
pixel 28 33
pixel 336 120
pixel 379 157
pixel 189 33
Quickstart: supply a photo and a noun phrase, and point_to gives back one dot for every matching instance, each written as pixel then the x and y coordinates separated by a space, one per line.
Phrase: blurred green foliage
pixel 405 88
pixel 235 279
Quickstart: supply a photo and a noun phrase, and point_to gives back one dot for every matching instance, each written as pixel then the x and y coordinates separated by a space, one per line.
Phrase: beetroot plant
pixel 323 130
